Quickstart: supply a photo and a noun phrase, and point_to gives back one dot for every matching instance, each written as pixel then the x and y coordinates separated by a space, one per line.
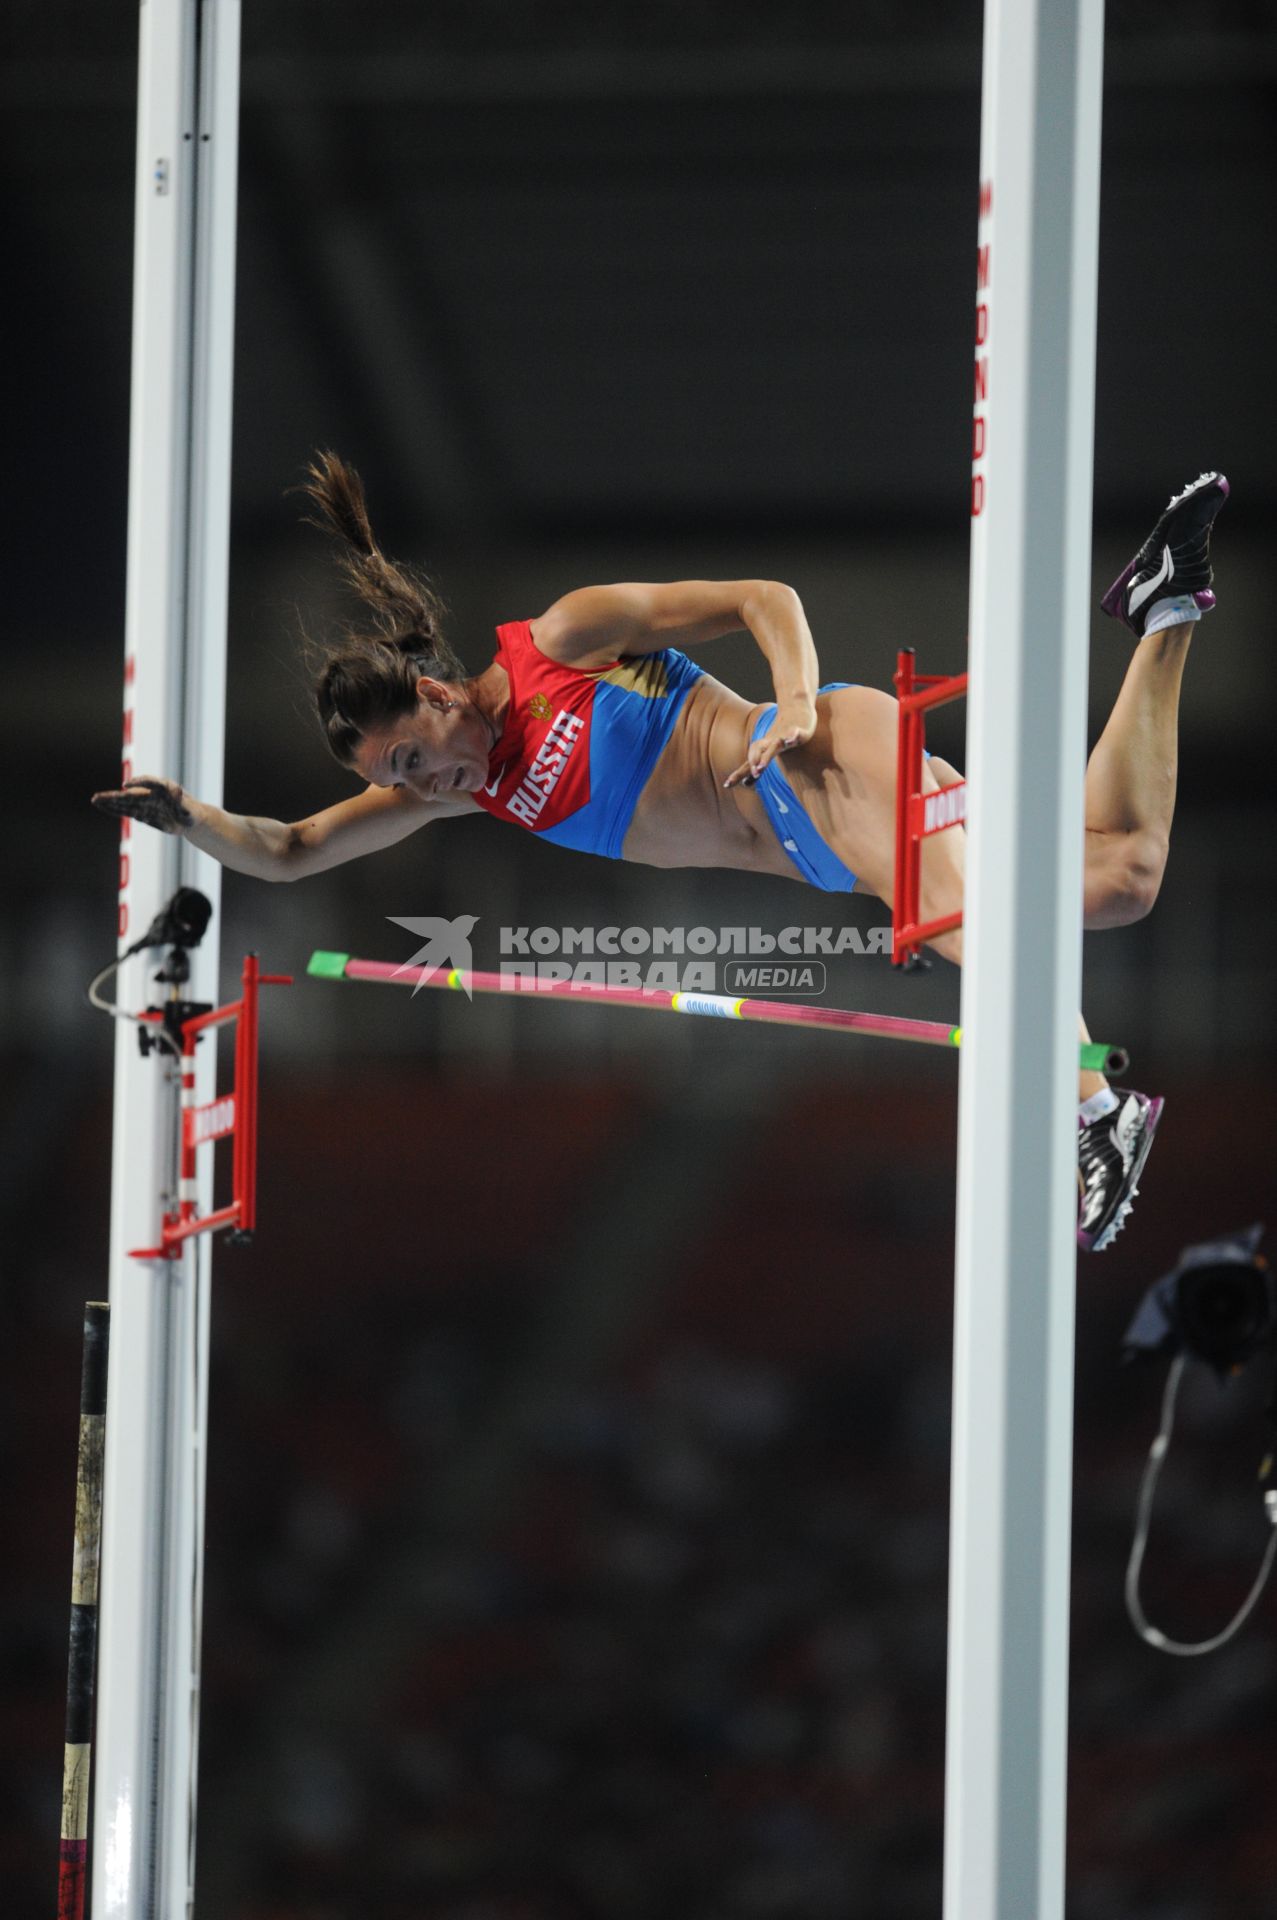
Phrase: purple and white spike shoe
pixel 1174 562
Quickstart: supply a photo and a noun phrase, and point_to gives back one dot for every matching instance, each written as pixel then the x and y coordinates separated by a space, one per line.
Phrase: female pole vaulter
pixel 592 728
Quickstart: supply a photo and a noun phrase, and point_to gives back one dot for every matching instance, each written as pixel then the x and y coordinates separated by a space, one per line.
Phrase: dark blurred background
pixel 579 1438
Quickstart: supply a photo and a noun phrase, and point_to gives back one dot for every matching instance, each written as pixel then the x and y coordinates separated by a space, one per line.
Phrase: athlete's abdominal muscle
pixel 684 817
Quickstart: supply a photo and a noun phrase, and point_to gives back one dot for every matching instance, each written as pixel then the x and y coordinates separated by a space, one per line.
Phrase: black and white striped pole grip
pixel 84 1615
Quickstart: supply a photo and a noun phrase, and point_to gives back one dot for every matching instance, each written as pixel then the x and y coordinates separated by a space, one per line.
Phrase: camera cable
pixel 1143 1516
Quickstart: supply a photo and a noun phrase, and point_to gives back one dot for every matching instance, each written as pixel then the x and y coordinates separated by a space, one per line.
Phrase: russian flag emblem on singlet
pixel 579 744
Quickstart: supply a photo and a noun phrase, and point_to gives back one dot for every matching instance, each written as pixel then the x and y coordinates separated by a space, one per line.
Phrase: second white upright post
pixel 1017 1191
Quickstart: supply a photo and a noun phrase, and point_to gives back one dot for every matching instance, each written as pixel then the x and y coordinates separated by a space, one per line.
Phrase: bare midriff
pixel 684 817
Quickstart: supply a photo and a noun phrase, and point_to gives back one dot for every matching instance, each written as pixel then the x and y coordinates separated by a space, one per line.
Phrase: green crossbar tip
pixel 1096 1056
pixel 329 966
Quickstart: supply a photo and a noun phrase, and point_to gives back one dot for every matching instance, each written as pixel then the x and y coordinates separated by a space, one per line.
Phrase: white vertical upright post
pixel 174 697
pixel 1017 1189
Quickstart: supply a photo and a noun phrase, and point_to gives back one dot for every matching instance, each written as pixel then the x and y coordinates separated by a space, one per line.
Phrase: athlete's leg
pixel 853 806
pixel 1130 779
pixel 1130 785
pixel 845 778
pixel 945 776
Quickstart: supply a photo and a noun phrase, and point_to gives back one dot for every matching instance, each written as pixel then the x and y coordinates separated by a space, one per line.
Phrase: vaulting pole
pixel 1017 1140
pixel 82 1652
pixel 174 694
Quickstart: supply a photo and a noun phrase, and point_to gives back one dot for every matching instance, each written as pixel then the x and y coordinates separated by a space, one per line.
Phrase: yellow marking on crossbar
pixel 455 979
pixel 955 1038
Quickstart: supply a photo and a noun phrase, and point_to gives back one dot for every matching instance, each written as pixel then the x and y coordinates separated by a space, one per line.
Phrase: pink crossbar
pixel 779 1013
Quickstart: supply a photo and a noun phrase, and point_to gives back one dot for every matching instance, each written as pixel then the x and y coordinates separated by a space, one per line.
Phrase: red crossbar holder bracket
pixel 230 1116
pixel 917 813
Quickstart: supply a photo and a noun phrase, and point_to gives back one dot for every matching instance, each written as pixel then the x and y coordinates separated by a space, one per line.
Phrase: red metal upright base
pixel 917 813
pixel 232 1115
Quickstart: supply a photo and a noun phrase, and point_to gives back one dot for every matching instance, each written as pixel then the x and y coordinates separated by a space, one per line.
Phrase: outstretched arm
pixel 596 624
pixel 275 849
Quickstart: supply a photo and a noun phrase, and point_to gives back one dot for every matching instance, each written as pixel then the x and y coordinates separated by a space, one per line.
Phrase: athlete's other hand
pixel 156 803
pixel 793 726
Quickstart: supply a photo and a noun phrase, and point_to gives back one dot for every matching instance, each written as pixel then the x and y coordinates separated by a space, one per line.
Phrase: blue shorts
pixel 818 864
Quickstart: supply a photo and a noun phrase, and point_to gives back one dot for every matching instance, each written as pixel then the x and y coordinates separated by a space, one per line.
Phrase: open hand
pixel 792 726
pixel 156 803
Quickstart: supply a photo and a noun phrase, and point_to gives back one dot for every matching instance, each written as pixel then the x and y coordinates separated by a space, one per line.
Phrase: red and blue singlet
pixel 579 743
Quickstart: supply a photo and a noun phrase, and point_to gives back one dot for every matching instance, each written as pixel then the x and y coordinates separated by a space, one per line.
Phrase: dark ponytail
pixel 366 680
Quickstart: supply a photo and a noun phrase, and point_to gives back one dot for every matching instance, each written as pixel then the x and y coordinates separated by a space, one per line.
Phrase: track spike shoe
pixel 1174 561
pixel 1110 1159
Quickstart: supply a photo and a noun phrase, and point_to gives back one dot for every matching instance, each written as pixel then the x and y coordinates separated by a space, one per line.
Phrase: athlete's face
pixel 439 748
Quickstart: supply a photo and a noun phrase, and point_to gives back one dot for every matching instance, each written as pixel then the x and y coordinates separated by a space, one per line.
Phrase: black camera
pixel 1218 1304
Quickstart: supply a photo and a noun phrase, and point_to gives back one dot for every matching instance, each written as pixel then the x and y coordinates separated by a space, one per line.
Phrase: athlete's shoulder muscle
pixel 601 623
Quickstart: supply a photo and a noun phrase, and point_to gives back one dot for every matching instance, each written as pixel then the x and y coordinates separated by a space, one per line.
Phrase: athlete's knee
pixel 1130 901
pixel 1123 877
pixel 1145 868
